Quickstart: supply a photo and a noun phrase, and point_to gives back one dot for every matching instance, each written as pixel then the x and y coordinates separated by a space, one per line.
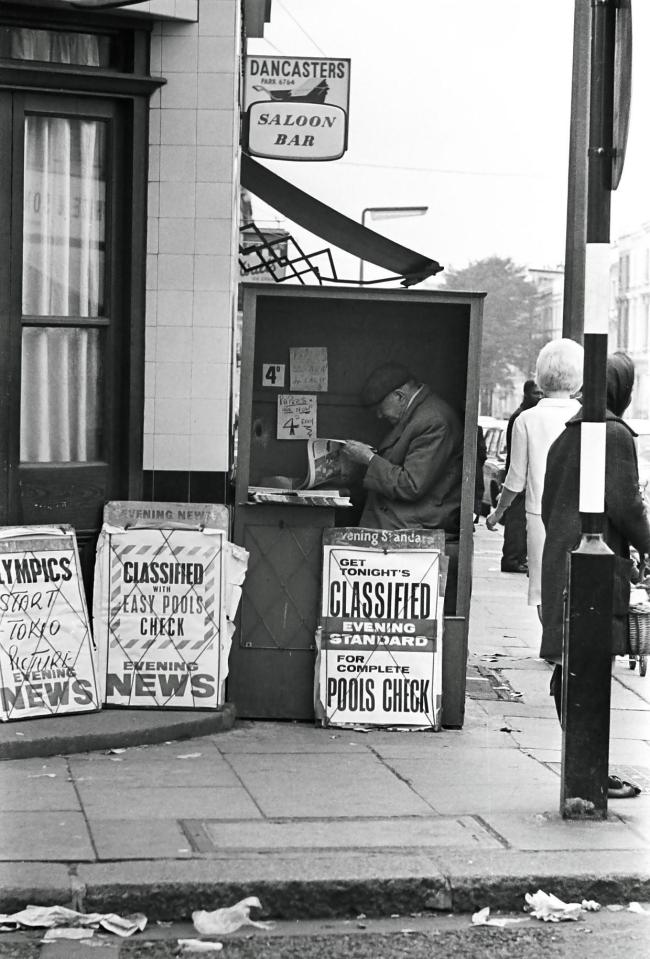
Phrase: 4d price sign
pixel 296 416
pixel 273 374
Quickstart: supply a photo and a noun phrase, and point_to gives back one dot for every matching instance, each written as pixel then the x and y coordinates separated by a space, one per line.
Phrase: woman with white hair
pixel 558 374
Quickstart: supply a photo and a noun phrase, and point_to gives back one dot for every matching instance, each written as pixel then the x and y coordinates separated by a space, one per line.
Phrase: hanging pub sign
pixel 167 586
pixel 296 108
pixel 379 660
pixel 47 662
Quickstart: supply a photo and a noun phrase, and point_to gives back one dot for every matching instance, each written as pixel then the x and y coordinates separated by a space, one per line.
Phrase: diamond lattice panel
pixel 282 591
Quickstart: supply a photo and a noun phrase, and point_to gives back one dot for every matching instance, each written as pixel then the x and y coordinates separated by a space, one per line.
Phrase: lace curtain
pixel 64 228
pixel 55 46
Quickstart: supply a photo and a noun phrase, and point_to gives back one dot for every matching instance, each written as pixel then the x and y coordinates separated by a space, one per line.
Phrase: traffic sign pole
pixel 586 664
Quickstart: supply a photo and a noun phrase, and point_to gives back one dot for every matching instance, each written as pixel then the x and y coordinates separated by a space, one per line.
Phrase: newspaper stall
pixel 47 662
pixel 306 353
pixel 167 587
pixel 379 643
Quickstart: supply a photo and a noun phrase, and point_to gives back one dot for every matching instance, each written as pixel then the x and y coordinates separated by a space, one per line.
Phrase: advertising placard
pixel 47 664
pixel 296 108
pixel 379 642
pixel 164 601
pixel 296 416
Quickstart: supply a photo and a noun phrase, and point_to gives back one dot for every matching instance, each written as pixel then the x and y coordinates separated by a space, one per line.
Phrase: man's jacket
pixel 416 477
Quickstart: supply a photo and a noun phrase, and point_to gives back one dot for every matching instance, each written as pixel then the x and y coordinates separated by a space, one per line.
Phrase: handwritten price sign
pixel 296 416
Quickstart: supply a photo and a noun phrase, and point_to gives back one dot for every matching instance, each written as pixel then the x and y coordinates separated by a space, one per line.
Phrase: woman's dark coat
pixel 626 523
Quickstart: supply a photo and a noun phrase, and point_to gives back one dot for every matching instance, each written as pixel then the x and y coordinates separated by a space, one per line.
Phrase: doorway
pixel 64 321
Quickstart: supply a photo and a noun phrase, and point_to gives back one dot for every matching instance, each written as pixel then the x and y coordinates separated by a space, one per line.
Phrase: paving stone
pixel 397 833
pixel 136 771
pixel 316 785
pixel 46 883
pixel 137 839
pixel 548 831
pixel 45 836
pixel 269 737
pixel 111 802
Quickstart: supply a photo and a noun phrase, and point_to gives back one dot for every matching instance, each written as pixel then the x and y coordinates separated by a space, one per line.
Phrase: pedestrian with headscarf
pixel 626 522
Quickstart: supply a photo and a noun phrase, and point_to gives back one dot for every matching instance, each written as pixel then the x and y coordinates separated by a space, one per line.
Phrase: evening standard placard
pixel 47 665
pixel 379 642
pixel 160 617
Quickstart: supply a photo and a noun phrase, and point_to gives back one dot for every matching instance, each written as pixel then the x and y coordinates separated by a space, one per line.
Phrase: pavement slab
pixel 285 737
pixel 210 836
pixel 145 770
pixel 355 784
pixel 548 831
pixel 45 836
pixel 123 839
pixel 113 802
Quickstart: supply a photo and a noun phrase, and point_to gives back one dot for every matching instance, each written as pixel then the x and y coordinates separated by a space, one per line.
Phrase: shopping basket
pixel 639 629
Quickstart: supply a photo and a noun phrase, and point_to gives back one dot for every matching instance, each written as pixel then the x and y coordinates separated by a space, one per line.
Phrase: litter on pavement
pixel 46 917
pixel 188 946
pixel 482 918
pixel 637 907
pixel 223 921
pixel 549 908
pixel 67 932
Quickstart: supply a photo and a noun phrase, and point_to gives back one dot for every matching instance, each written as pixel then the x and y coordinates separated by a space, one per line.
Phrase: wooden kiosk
pixel 437 335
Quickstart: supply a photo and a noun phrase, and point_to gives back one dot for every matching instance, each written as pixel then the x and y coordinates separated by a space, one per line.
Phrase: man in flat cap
pixel 414 478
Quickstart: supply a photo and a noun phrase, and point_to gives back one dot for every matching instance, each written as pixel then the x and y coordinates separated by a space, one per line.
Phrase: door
pixel 63 324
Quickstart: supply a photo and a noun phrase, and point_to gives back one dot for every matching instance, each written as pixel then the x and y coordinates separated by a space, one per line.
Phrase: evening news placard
pixel 161 613
pixel 380 652
pixel 47 665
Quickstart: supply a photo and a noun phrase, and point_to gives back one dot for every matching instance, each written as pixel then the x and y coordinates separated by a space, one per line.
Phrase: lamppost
pixel 388 213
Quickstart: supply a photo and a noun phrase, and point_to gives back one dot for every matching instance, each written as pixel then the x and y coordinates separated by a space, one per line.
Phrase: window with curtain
pixel 64 244
pixel 55 46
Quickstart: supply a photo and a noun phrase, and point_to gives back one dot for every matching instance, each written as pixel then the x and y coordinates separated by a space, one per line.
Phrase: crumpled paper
pixel 549 908
pixel 482 918
pixel 46 917
pixel 188 946
pixel 637 907
pixel 223 921
pixel 67 932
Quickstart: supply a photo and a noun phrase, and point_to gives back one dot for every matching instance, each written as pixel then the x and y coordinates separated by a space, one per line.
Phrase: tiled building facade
pixel 192 243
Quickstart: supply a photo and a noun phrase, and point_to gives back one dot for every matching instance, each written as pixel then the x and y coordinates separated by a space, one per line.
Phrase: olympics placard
pixel 47 661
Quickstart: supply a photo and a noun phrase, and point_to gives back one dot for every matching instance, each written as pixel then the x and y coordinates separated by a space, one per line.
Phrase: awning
pixel 334 227
pixel 77 4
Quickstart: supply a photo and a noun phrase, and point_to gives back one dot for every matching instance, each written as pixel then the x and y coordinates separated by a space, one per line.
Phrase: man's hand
pixel 358 452
pixel 492 519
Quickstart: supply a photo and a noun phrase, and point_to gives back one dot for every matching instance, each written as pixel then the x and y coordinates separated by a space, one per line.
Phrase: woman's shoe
pixel 620 789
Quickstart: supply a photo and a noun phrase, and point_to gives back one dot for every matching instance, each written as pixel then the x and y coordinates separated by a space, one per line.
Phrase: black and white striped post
pixel 586 666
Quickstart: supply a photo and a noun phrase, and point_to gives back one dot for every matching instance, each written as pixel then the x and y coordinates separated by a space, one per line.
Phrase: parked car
pixel 494 468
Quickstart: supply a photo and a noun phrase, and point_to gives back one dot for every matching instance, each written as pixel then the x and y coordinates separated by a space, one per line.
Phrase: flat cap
pixel 383 381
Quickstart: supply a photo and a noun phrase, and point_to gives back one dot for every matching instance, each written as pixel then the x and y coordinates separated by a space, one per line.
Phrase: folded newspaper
pixel 327 466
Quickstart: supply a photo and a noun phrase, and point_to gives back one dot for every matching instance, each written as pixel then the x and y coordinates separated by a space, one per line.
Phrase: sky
pixel 462 106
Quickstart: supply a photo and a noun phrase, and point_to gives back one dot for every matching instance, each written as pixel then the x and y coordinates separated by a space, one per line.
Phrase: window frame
pixel 81 85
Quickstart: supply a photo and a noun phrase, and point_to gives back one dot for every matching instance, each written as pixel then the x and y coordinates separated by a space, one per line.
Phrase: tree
pixel 509 343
